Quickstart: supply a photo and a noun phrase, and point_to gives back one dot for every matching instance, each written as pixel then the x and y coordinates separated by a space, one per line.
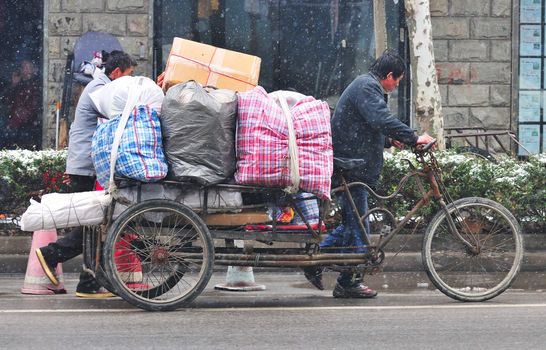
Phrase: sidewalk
pixel 402 269
pixel 284 283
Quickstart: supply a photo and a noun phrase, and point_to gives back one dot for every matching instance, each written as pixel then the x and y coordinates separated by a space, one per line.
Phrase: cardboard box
pixel 238 219
pixel 209 65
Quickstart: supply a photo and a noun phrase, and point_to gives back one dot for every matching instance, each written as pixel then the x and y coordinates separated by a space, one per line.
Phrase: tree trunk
pixel 379 27
pixel 428 102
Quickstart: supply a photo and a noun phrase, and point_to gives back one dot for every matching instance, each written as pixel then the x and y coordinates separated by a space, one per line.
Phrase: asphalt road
pixel 288 315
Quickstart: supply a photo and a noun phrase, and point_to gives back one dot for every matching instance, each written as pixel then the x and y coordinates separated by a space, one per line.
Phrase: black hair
pixel 386 63
pixel 104 55
pixel 117 59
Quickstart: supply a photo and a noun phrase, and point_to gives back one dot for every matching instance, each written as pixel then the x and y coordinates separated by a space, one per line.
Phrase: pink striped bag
pixel 262 143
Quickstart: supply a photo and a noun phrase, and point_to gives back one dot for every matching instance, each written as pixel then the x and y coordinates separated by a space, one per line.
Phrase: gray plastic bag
pixel 198 127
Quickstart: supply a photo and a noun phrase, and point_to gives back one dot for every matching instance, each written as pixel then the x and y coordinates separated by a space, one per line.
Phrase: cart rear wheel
pixel 159 255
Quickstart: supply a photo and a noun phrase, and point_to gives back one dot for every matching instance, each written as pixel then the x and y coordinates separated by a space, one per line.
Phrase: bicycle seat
pixel 347 163
pixel 340 166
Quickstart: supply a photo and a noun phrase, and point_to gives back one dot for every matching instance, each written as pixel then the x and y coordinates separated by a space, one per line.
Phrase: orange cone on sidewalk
pixel 36 281
pixel 240 279
pixel 128 263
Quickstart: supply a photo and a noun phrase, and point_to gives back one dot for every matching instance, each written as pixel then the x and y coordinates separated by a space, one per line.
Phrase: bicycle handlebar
pixel 429 145
pixel 425 148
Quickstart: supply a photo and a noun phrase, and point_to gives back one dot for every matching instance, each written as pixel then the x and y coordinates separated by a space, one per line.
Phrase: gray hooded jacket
pixel 81 131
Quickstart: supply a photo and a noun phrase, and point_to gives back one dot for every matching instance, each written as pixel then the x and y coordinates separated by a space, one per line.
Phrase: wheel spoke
pixel 480 273
pixel 151 234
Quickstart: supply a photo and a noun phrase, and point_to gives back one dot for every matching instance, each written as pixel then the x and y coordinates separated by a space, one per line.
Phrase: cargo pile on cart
pixel 214 124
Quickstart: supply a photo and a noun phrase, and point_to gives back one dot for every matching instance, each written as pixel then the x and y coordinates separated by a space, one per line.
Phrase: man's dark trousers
pixel 71 244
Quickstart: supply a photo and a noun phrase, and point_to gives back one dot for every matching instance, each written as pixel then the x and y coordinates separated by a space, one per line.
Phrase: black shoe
pixel 89 287
pixel 49 269
pixel 101 293
pixel 357 290
pixel 314 275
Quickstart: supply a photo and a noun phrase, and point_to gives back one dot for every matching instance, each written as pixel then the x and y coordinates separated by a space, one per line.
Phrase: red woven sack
pixel 262 143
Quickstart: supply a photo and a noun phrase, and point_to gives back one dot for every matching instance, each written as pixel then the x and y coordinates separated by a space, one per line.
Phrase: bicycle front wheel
pixel 489 266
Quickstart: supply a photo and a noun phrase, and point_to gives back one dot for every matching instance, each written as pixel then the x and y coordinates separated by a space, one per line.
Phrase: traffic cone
pixel 128 263
pixel 240 279
pixel 36 281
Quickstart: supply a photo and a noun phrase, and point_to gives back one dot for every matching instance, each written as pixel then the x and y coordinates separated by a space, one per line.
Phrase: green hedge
pixel 518 185
pixel 25 174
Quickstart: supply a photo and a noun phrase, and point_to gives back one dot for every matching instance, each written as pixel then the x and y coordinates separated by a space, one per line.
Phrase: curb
pixel 17 263
pixel 408 243
pixel 14 255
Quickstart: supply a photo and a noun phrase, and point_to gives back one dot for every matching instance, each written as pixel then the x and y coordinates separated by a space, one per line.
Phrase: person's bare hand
pixel 424 139
pixel 397 144
pixel 159 79
pixel 66 179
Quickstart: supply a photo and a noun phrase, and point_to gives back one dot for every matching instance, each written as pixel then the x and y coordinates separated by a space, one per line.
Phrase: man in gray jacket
pixel 81 174
pixel 362 126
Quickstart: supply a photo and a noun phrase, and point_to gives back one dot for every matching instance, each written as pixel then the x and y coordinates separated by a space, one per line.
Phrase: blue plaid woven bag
pixel 309 208
pixel 140 154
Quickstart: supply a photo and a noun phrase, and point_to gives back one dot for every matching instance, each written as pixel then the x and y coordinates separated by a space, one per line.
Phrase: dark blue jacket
pixel 360 124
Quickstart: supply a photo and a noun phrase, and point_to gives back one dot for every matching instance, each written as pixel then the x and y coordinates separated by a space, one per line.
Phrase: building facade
pixel 489 53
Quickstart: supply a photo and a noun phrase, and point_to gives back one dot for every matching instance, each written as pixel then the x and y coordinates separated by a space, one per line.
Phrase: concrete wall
pixel 473 50
pixel 66 20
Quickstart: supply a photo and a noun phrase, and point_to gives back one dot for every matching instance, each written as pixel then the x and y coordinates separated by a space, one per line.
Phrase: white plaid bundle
pixel 140 154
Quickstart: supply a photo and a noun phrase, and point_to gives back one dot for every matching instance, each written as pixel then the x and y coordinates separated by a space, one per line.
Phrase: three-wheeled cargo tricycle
pixel 159 254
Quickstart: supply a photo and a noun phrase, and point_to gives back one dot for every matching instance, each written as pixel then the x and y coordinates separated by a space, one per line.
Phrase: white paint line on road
pixel 295 308
pixel 66 311
pixel 393 307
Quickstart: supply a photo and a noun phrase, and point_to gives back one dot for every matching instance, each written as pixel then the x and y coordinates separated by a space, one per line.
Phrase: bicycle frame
pixel 231 255
pixel 429 173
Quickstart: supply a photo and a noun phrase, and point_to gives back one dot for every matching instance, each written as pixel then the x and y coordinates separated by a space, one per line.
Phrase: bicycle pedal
pixel 375 270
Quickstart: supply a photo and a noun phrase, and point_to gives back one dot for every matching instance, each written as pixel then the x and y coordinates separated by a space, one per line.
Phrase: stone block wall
pixel 473 50
pixel 129 20
pixel 472 45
